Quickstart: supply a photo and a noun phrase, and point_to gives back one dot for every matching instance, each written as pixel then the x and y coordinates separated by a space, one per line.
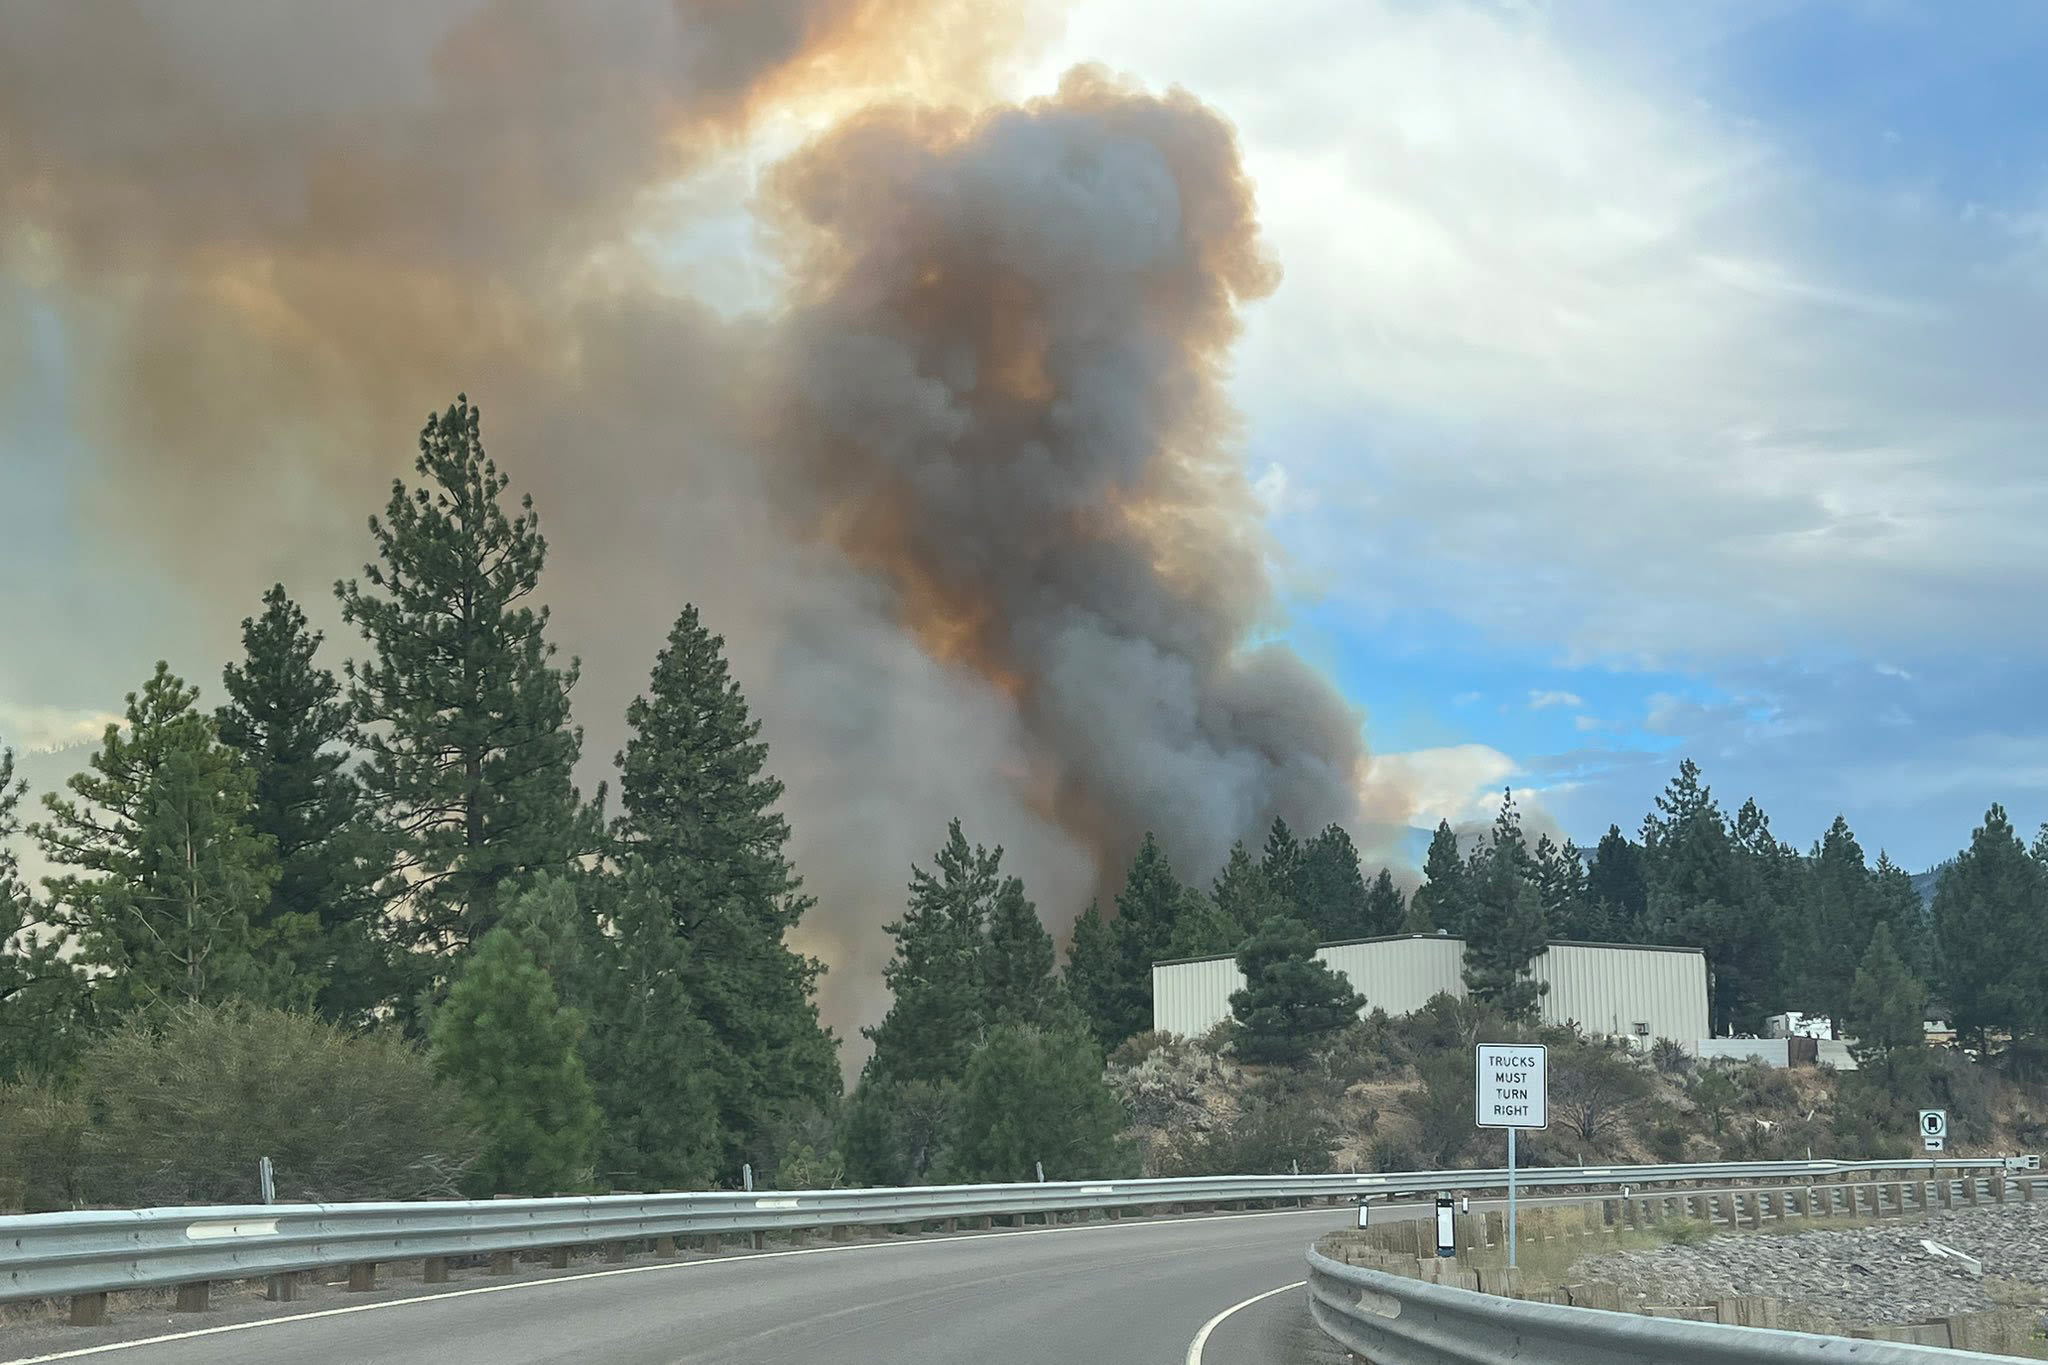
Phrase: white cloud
pixel 1543 700
pixel 1460 782
pixel 1586 723
pixel 1554 301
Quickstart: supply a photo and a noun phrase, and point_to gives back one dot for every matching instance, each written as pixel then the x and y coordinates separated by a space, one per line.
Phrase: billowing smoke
pixel 963 496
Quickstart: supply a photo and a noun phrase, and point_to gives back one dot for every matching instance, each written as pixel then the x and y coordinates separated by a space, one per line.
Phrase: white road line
pixel 169 1337
pixel 1202 1337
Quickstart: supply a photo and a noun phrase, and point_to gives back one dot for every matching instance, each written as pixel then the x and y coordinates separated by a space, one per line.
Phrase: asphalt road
pixel 1135 1292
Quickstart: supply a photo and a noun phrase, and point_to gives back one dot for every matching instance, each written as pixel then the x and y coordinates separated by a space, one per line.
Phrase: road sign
pixel 1511 1085
pixel 1934 1128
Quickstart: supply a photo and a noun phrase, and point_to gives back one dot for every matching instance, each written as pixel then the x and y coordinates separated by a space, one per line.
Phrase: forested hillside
pixel 352 913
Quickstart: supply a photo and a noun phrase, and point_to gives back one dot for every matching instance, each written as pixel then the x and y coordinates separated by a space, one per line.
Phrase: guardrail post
pixel 666 1246
pixel 558 1258
pixel 1896 1192
pixel 1970 1189
pixel 760 1241
pixel 196 1297
pixel 434 1270
pixel 840 1232
pixel 1997 1184
pixel 89 1310
pixel 1756 1209
pixel 362 1277
pixel 503 1263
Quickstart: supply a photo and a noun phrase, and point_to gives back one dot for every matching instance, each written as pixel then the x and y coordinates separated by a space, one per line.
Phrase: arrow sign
pixel 1934 1128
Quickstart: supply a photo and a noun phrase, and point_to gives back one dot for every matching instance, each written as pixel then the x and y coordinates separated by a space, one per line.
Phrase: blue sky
pixel 1646 381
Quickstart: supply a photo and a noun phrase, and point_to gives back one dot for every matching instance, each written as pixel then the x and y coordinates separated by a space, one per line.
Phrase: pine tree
pixel 1035 1096
pixel 1773 902
pixel 1333 887
pixel 1091 976
pixel 1697 899
pixel 1988 911
pixel 935 1016
pixel 699 812
pixel 1203 929
pixel 1898 906
pixel 1242 892
pixel 897 1132
pixel 44 1004
pixel 1290 998
pixel 460 713
pixel 1614 882
pixel 1444 899
pixel 1842 914
pixel 1886 1011
pixel 169 879
pixel 1506 929
pixel 648 1052
pixel 1283 865
pixel 1018 981
pixel 285 717
pixel 1385 911
pixel 1560 875
pixel 503 1038
pixel 1146 911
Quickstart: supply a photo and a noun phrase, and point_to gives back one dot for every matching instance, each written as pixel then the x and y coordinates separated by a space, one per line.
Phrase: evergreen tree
pixel 1290 997
pixel 1035 1096
pixel 1242 892
pixel 1898 906
pixel 1698 900
pixel 897 1132
pixel 1444 899
pixel 1886 1011
pixel 285 717
pixel 44 1005
pixel 1841 915
pixel 1773 891
pixel 1560 875
pixel 1283 866
pixel 699 815
pixel 1018 981
pixel 1333 896
pixel 935 1017
pixel 1614 883
pixel 649 1052
pixel 1203 929
pixel 1146 910
pixel 1091 976
pixel 503 1038
pixel 462 716
pixel 1988 911
pixel 1385 911
pixel 1506 929
pixel 168 878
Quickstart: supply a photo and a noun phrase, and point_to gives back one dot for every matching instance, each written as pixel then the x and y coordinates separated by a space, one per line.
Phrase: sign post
pixel 1511 1090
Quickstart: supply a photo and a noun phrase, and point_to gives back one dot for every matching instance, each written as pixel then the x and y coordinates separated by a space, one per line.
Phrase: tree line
pixel 398 851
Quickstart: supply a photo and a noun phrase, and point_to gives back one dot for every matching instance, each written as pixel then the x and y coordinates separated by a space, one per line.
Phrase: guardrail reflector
pixel 207 1232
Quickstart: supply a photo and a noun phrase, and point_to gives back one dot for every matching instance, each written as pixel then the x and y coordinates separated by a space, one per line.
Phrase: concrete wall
pixel 1603 989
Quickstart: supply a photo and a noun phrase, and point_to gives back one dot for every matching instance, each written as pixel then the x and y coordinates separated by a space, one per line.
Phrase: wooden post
pixel 558 1258
pixel 666 1246
pixel 434 1270
pixel 362 1277
pixel 503 1263
pixel 89 1310
pixel 195 1298
pixel 711 1244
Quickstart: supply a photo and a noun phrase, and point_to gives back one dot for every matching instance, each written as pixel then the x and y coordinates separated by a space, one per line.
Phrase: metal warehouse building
pixel 1632 991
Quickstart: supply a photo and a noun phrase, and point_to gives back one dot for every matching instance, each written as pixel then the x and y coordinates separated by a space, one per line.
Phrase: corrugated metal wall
pixel 1601 989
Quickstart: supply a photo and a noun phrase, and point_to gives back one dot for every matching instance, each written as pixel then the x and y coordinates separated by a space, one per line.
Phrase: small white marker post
pixel 1511 1090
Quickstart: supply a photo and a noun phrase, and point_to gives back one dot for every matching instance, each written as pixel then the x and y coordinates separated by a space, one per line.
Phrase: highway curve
pixel 1136 1292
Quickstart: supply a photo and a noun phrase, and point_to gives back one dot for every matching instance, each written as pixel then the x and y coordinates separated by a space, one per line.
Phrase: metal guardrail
pixel 49 1255
pixel 1392 1320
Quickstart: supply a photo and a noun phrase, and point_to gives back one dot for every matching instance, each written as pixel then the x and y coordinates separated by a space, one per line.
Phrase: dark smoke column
pixel 1004 367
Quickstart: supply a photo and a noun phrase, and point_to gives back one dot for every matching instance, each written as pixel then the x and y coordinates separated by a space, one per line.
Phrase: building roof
pixel 1396 938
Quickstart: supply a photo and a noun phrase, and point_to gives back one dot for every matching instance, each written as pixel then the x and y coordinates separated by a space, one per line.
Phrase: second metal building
pixel 1635 991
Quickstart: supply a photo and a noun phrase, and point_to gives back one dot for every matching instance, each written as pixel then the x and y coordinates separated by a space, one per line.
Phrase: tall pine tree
pixel 1505 931
pixel 1090 976
pixel 285 716
pixel 1333 887
pixel 1614 884
pixel 699 812
pixel 1290 998
pixel 1841 915
pixel 168 882
pixel 1242 892
pixel 1147 909
pixel 1018 981
pixel 1698 900
pixel 460 711
pixel 1445 898
pixel 1988 911
pixel 1385 910
pixel 936 1013
pixel 1283 864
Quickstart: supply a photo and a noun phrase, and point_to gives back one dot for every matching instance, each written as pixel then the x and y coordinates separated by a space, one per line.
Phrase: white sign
pixel 1511 1085
pixel 1934 1128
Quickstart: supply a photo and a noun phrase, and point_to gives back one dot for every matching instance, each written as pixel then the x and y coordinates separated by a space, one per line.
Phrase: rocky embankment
pixel 1876 1274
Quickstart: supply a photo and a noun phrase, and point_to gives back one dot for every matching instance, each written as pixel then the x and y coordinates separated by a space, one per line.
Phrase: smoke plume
pixel 964 497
